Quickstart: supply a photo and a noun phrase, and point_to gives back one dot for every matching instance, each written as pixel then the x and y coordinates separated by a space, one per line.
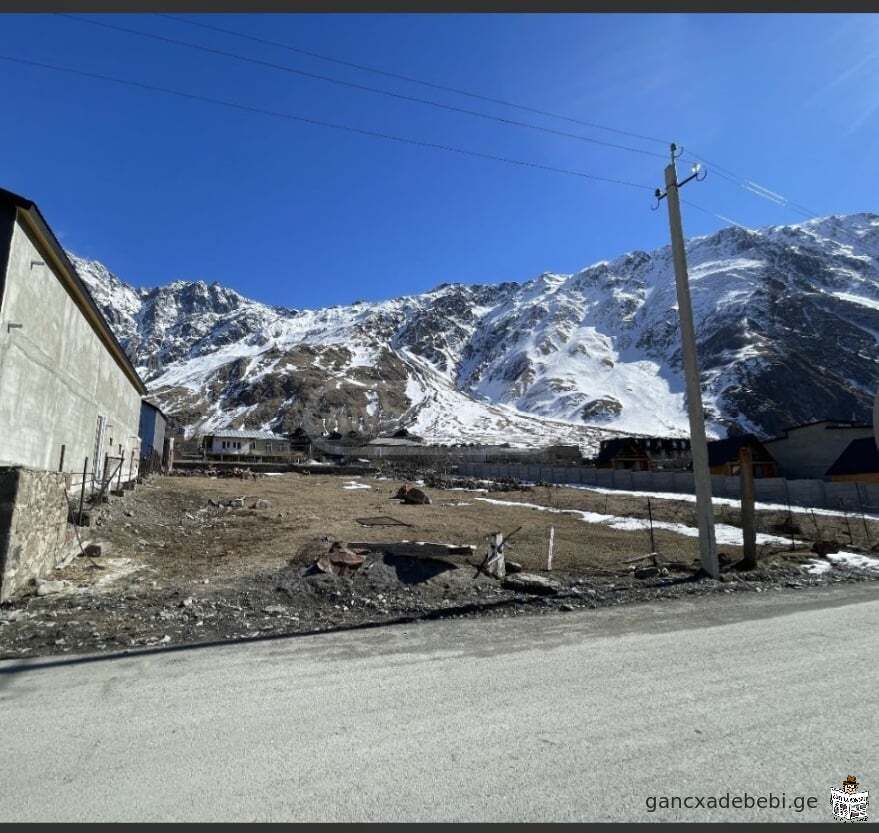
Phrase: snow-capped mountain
pixel 787 320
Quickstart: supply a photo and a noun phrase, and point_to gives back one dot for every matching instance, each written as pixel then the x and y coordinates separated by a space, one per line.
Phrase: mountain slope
pixel 787 320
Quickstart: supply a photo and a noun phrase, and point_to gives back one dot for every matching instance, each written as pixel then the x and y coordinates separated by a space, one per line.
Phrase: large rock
pixel 416 497
pixel 531 583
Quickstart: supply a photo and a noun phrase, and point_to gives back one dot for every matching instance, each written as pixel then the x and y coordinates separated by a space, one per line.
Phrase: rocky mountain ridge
pixel 787 320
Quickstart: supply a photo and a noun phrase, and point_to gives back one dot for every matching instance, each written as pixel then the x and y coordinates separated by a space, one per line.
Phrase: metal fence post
pixel 85 473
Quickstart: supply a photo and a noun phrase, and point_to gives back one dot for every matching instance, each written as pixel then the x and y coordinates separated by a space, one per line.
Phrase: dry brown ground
pixel 304 508
pixel 181 568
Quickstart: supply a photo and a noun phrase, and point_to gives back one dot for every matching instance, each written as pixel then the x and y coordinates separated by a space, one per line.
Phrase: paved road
pixel 571 716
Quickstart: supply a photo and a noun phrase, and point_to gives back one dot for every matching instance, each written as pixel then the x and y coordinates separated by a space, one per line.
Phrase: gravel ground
pixel 201 559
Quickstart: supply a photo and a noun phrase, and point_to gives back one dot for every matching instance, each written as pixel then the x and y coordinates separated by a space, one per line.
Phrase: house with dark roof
pixel 858 463
pixel 68 391
pixel 723 456
pixel 644 454
pixel 808 450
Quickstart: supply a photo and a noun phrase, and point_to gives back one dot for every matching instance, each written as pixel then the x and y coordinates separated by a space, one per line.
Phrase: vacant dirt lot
pixel 179 564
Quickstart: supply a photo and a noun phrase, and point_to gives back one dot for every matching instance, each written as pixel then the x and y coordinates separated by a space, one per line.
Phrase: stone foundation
pixel 33 526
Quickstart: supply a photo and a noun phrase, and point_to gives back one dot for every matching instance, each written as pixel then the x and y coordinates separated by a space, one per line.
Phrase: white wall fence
pixel 849 497
pixel 417 453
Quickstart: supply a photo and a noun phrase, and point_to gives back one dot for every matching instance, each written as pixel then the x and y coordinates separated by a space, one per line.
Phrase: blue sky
pixel 161 188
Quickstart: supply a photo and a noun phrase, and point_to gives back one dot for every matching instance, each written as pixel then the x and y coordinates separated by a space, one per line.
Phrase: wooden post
pixel 496 565
pixel 61 461
pixel 863 515
pixel 551 542
pixel 119 479
pixel 749 532
pixel 650 516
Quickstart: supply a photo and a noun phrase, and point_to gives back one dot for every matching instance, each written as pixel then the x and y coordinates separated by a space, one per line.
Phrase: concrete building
pixel 859 463
pixel 67 389
pixel 247 446
pixel 809 450
pixel 70 399
pixel 156 442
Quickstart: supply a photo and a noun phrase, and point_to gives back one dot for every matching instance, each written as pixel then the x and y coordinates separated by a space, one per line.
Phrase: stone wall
pixel 33 526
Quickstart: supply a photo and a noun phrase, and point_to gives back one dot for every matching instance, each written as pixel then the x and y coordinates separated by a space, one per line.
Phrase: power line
pixel 724 173
pixel 362 87
pixel 321 123
pixel 721 171
pixel 761 191
pixel 412 80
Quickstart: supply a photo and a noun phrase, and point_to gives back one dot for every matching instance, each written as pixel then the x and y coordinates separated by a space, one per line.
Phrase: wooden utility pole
pixel 746 490
pixel 698 442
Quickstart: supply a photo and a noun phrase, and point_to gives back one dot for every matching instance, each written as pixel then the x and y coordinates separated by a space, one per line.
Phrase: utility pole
pixel 698 443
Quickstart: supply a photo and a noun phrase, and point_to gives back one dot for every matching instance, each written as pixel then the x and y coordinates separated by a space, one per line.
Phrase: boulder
pixel 531 583
pixel 96 550
pixel 416 497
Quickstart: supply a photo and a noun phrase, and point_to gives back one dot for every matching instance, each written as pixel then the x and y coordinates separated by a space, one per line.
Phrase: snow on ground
pixel 720 501
pixel 845 559
pixel 725 534
pixel 351 485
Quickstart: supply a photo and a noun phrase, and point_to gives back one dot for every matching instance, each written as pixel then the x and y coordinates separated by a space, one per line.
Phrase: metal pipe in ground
pixel 85 473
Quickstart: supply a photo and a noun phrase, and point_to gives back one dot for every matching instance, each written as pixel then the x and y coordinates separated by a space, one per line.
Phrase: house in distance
pixel 644 454
pixel 859 463
pixel 246 446
pixel 809 450
pixel 723 456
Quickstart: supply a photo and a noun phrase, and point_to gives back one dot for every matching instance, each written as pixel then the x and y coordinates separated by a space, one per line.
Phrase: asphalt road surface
pixel 570 716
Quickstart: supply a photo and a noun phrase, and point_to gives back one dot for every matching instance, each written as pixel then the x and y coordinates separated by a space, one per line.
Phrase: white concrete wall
pixel 217 447
pixel 56 376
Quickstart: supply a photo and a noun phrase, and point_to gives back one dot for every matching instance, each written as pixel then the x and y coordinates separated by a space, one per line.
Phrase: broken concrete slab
pixel 531 583
pixel 340 560
pixel 415 549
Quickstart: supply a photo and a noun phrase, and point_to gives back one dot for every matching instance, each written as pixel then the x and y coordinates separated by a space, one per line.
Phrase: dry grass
pixel 227 546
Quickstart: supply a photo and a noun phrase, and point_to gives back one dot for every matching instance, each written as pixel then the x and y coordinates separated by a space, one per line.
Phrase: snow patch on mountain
pixel 787 320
